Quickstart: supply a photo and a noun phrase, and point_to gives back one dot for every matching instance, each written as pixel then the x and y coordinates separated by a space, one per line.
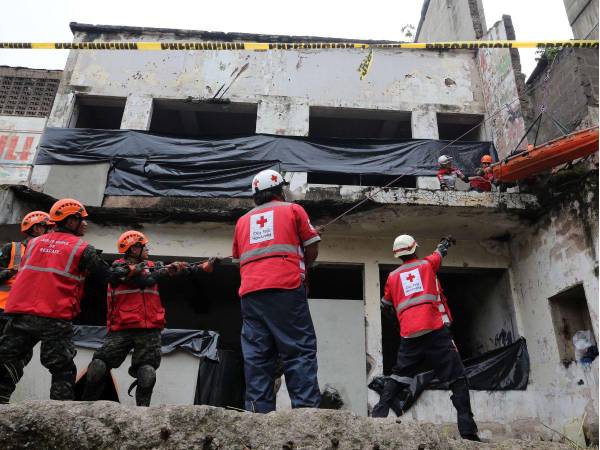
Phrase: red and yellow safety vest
pixel 132 307
pixel 415 293
pixel 15 263
pixel 49 283
pixel 269 244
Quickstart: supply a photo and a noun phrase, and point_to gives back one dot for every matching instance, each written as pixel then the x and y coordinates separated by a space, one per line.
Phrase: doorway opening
pixel 481 305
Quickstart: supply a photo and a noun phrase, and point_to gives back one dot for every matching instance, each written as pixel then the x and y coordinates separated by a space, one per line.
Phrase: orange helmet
pixel 35 217
pixel 129 238
pixel 486 159
pixel 66 207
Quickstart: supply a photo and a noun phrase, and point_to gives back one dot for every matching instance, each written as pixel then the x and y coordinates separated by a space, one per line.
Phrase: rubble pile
pixel 103 425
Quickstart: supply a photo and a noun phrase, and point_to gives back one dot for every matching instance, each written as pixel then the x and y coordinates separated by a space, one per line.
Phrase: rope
pixel 372 194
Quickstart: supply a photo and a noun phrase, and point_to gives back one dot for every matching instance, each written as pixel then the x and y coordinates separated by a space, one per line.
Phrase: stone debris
pixel 108 425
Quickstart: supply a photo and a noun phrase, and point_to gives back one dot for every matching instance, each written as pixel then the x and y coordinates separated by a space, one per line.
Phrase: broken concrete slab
pixel 86 425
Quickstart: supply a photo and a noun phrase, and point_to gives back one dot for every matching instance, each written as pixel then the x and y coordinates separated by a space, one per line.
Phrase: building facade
pixel 525 265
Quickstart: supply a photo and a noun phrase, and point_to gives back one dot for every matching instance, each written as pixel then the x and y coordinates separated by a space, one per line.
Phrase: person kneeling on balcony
pixel 135 319
pixel 447 174
pixel 414 292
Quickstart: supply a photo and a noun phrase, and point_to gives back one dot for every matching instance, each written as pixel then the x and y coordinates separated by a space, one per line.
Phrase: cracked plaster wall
pixel 558 253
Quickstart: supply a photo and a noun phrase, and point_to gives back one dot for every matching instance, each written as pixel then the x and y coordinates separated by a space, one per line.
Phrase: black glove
pixel 445 243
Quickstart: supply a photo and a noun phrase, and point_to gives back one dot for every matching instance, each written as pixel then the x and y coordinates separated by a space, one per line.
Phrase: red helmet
pixel 34 218
pixel 486 159
pixel 129 238
pixel 66 207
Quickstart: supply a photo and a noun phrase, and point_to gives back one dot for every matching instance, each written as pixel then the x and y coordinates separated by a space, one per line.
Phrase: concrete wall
pixel 451 20
pixel 570 95
pixel 19 138
pixel 557 254
pixel 583 18
pixel 338 369
pixel 500 90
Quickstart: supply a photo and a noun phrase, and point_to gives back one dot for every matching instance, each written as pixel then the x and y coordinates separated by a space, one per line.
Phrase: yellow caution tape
pixel 364 67
pixel 262 46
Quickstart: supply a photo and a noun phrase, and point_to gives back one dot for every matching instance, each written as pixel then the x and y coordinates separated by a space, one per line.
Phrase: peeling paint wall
pixel 500 92
pixel 558 253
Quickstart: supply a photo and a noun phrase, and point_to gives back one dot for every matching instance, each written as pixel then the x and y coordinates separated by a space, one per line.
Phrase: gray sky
pixel 48 21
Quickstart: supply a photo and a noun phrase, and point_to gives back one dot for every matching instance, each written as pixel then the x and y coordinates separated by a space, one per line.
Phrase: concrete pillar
pixel 285 116
pixel 424 123
pixel 373 327
pixel 138 113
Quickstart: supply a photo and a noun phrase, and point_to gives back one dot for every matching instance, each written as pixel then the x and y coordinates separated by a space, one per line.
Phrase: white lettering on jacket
pixel 261 227
pixel 411 282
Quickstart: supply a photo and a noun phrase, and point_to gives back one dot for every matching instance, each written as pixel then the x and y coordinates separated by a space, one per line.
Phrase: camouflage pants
pixel 21 333
pixel 13 372
pixel 146 345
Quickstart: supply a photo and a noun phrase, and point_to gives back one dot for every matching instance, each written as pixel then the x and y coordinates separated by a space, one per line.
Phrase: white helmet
pixel 404 245
pixel 266 179
pixel 444 159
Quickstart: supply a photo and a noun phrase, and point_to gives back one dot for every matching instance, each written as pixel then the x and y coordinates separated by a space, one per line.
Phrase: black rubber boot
pixel 462 402
pixel 146 378
pixel 391 388
pixel 95 380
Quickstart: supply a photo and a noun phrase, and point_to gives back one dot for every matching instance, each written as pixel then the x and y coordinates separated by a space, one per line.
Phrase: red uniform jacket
pixel 49 283
pixel 133 307
pixel 483 182
pixel 269 244
pixel 415 293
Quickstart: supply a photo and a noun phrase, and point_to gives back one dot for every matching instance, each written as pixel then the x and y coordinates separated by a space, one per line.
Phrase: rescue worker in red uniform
pixel 274 243
pixel 135 319
pixel 33 225
pixel 483 179
pixel 45 298
pixel 447 174
pixel 414 292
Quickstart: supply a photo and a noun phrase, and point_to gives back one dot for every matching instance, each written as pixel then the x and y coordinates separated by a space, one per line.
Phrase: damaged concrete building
pixel 525 266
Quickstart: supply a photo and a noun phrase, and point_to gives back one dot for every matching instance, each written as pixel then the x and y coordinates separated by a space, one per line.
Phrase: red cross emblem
pixel 274 178
pixel 410 277
pixel 255 183
pixel 261 221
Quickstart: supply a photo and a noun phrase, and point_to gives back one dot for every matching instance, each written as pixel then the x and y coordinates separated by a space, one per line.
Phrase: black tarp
pixel 502 369
pixel 201 344
pixel 221 383
pixel 151 165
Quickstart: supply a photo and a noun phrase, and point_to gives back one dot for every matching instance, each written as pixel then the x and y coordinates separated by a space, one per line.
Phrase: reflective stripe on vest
pixel 132 291
pixel 425 298
pixel 65 272
pixel 15 262
pixel 406 266
pixel 273 204
pixel 441 307
pixel 269 250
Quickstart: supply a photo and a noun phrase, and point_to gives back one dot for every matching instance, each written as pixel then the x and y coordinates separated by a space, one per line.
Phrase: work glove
pixel 209 266
pixel 176 267
pixel 450 239
pixel 445 244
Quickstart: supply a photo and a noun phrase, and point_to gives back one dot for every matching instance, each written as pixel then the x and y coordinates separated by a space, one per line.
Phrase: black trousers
pixel 437 351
